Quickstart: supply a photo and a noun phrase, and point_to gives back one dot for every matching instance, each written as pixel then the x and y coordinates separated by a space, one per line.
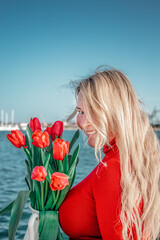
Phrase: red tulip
pixel 48 130
pixel 35 124
pixel 17 138
pixel 57 129
pixel 39 173
pixel 40 139
pixel 58 181
pixel 60 147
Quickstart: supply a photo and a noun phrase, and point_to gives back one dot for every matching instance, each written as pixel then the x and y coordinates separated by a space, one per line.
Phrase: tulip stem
pixel 29 155
pixel 42 196
pixel 56 199
pixel 43 156
pixel 46 190
pixel 60 166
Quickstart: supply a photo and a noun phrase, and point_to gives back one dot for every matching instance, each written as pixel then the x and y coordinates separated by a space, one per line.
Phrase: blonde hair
pixel 112 106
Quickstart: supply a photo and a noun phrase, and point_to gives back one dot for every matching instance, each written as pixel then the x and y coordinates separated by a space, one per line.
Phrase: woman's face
pixel 83 122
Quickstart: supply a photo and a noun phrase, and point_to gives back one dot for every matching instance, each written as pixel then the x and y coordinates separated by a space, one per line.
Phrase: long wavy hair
pixel 112 106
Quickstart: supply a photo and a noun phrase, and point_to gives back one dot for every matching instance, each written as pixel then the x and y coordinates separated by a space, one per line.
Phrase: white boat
pixel 9 127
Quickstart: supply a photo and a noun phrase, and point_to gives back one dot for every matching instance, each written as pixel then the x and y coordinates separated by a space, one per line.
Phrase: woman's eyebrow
pixel 78 108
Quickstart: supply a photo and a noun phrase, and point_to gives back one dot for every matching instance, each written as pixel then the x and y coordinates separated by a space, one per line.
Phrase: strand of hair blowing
pixel 110 95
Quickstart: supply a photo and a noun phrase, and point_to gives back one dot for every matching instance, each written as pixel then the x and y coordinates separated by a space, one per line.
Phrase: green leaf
pixel 28 153
pixel 27 165
pixel 65 164
pixel 46 164
pixel 36 188
pixel 29 135
pixel 73 175
pixel 48 167
pixel 50 200
pixel 46 161
pixel 43 156
pixel 29 132
pixel 74 156
pixel 29 174
pixel 62 196
pixel 74 139
pixel 48 225
pixel 7 208
pixel 46 190
pixel 49 148
pixel 27 142
pixel 74 162
pixel 36 156
pixel 53 162
pixel 69 159
pixel 16 212
pixel 32 198
pixel 27 182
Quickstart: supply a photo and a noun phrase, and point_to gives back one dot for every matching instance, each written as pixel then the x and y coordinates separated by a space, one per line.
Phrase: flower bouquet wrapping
pixel 51 172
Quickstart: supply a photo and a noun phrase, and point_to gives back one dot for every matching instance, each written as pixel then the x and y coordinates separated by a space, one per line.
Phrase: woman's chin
pixel 91 139
pixel 91 143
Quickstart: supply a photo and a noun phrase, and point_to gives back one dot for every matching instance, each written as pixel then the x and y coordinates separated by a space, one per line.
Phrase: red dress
pixel 91 209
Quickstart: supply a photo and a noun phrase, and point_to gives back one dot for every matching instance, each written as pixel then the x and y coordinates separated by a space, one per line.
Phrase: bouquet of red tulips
pixel 50 174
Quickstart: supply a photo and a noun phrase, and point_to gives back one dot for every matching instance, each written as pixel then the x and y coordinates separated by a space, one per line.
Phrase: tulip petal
pixel 35 124
pixel 39 173
pixel 48 130
pixel 20 136
pixel 57 129
pixel 37 142
pixel 45 139
pixel 58 181
pixel 36 133
pixel 60 147
pixel 13 141
pixel 17 138
pixel 40 139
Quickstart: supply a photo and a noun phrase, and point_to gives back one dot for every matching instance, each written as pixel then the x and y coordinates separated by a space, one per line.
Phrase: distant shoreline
pixel 16 127
pixel 65 127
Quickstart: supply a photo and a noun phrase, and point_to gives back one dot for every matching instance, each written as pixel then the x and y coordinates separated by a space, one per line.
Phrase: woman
pixel 120 198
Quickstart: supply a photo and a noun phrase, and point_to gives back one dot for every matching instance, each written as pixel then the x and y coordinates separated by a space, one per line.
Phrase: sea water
pixel 13 171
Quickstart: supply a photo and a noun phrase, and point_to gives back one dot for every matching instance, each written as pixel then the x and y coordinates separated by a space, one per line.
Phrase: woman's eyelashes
pixel 80 111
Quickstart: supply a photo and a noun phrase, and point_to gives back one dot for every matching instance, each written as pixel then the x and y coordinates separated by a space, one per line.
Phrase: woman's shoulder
pixel 106 182
pixel 108 166
pixel 107 172
pixel 107 169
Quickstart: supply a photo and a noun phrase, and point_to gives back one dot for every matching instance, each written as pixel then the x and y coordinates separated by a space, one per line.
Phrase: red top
pixel 92 207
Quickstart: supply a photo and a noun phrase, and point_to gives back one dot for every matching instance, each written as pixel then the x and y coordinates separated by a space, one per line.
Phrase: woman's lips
pixel 90 132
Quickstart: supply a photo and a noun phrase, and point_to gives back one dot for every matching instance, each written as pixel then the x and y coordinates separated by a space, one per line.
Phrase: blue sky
pixel 46 44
